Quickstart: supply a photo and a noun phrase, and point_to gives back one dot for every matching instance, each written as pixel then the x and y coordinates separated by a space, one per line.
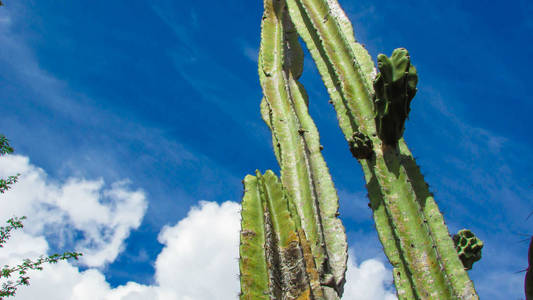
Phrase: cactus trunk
pixel 304 173
pixel 300 214
pixel 409 224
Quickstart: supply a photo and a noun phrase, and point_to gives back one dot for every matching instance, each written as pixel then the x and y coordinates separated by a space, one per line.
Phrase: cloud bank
pixel 199 259
pixel 94 218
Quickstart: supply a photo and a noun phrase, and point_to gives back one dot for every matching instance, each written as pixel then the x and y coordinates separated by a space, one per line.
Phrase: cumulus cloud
pixel 201 253
pixel 102 215
pixel 199 259
pixel 367 281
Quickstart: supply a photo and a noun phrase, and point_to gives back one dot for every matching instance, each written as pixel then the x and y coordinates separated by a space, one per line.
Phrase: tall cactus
pixel 371 110
pixel 304 173
pixel 409 224
pixel 303 170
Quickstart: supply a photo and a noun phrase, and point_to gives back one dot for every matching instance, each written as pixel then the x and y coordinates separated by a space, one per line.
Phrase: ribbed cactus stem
pixel 274 252
pixel 296 142
pixel 254 270
pixel 345 67
pixel 452 265
pixel 426 264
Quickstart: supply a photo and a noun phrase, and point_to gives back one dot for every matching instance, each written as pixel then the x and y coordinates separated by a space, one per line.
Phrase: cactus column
pixel 275 258
pixel 409 224
pixel 304 173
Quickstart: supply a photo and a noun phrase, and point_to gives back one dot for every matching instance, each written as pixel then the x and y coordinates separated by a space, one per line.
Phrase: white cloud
pixel 367 281
pixel 103 215
pixel 201 252
pixel 198 261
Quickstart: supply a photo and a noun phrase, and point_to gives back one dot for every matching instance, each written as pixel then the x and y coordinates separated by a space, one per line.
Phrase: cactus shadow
pixel 415 177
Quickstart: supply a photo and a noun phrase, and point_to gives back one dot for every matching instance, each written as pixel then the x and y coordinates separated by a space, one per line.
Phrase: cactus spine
pixel 371 110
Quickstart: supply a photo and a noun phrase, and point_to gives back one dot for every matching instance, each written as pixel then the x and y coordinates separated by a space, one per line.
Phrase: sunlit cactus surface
pixel 304 257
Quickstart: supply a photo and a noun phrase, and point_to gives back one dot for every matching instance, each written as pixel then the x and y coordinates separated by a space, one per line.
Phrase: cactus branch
pixel 404 210
pixel 299 215
pixel 276 261
pixel 296 142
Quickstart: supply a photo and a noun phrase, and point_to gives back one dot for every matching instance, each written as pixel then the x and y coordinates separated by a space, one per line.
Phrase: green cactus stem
pixel 409 224
pixel 350 124
pixel 274 253
pixel 468 247
pixel 371 115
pixel 297 147
pixel 254 270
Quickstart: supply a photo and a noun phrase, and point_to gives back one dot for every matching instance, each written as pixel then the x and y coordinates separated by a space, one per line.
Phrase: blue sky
pixel 162 98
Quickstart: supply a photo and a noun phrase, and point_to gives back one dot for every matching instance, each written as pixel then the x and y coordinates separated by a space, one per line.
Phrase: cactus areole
pixel 293 246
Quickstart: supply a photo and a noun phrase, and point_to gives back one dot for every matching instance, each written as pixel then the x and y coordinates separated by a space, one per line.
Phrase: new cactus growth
pixel 395 87
pixel 468 247
pixel 371 110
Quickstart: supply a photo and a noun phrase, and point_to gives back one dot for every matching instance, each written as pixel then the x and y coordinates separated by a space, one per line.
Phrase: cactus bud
pixel 361 146
pixel 468 247
pixel 395 87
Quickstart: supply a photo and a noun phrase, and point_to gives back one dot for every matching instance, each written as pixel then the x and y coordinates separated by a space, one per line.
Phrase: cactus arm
pixel 453 267
pixel 296 142
pixel 285 130
pixel 275 258
pixel 361 55
pixel 409 228
pixel 403 282
pixel 329 77
pixel 395 87
pixel 325 31
pixel 321 182
pixel 349 127
pixel 255 283
pixel 322 186
pixel 340 56
pixel 295 282
pixel 340 70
